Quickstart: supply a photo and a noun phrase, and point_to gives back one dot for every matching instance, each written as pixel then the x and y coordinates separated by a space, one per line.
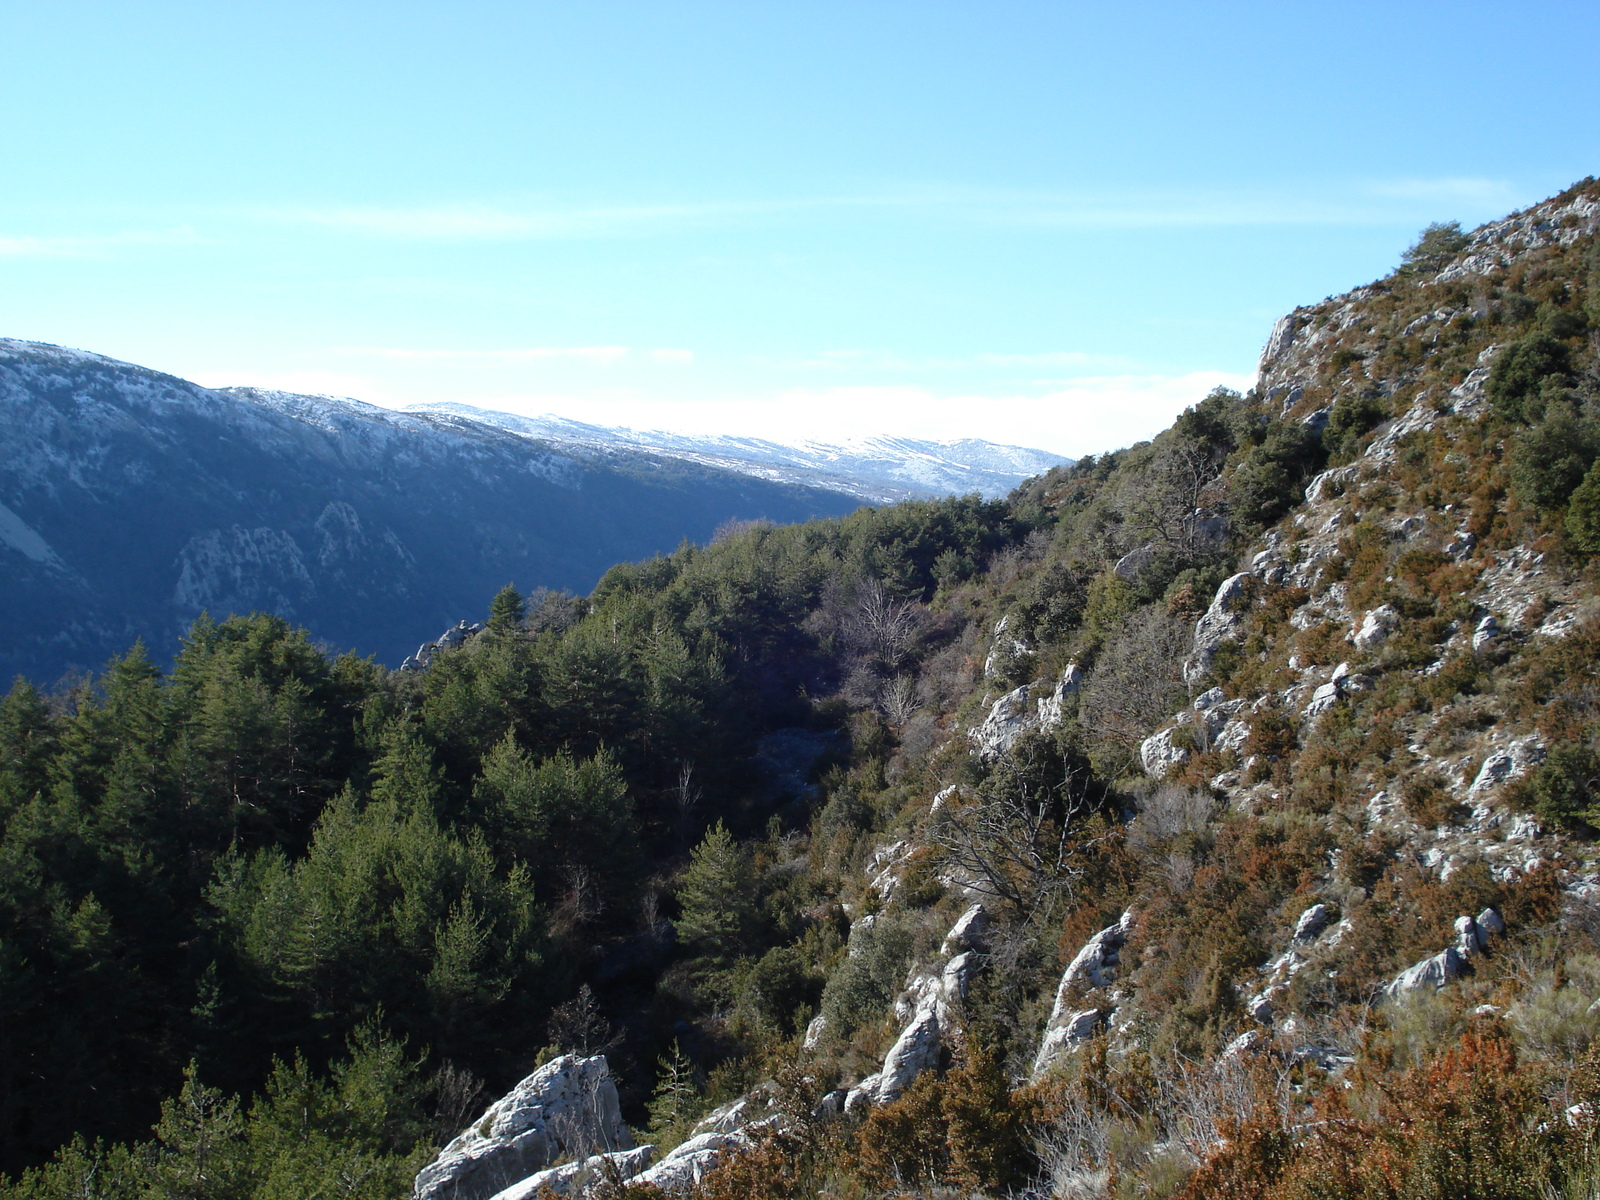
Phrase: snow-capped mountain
pixel 875 469
pixel 131 501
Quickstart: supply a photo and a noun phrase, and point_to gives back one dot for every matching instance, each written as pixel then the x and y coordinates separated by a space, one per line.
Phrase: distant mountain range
pixel 879 470
pixel 130 501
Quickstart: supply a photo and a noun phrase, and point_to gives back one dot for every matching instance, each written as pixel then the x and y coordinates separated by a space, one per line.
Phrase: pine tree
pixel 716 898
pixel 507 610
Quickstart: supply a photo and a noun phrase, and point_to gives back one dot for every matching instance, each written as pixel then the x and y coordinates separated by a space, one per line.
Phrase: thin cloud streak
pixel 519 354
pixel 1369 202
pixel 93 246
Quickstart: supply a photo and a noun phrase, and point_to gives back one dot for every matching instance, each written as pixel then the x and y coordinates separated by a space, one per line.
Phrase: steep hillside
pixel 1212 818
pixel 131 501
pixel 878 470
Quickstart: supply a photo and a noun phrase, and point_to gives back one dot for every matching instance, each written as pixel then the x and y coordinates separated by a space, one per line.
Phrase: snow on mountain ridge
pixel 878 468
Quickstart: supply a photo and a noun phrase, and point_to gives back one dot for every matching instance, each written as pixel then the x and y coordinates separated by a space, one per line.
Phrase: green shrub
pixel 1350 418
pixel 1562 789
pixel 870 977
pixel 1548 460
pixel 1521 368
pixel 1434 248
pixel 1583 513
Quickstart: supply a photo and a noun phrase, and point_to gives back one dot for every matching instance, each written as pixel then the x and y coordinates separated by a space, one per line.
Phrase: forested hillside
pixel 1210 818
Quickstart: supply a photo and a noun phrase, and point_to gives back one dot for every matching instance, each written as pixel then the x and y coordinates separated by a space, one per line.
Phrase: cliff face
pixel 131 501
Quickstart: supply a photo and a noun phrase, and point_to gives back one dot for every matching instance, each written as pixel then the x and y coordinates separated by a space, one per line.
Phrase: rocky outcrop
pixel 456 635
pixel 925 1007
pixel 581 1177
pixel 1219 624
pixel 1472 938
pixel 1375 628
pixel 1052 708
pixel 1008 719
pixel 687 1164
pixel 1093 967
pixel 567 1107
pixel 1023 710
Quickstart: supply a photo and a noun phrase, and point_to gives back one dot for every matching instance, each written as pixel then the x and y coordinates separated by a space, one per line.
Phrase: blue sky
pixel 1049 224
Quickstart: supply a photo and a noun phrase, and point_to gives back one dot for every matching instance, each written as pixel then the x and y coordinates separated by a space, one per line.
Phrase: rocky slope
pixel 130 501
pixel 1369 822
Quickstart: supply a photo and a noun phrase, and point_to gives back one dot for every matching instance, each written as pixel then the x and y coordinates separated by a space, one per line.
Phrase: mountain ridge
pixel 879 469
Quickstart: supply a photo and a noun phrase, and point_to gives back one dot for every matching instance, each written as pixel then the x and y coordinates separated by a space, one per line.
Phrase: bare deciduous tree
pixel 1018 845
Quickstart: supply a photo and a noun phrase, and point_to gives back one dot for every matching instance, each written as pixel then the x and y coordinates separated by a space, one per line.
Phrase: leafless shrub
pixel 1168 811
pixel 898 699
pixel 1134 685
pixel 577 1026
pixel 457 1099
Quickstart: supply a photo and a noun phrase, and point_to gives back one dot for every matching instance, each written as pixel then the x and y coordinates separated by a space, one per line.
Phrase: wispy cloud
pixel 517 354
pixel 1347 202
pixel 93 246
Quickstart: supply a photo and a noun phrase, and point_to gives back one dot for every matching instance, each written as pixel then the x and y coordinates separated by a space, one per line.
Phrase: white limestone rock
pixel 1312 922
pixel 1052 707
pixel 1094 966
pixel 576 1178
pixel 1219 624
pixel 1376 626
pixel 1158 753
pixel 1060 1039
pixel 1009 718
pixel 970 932
pixel 1431 973
pixel 567 1107
pixel 1324 698
pixel 1511 761
pixel 686 1165
pixel 1486 634
pixel 914 1051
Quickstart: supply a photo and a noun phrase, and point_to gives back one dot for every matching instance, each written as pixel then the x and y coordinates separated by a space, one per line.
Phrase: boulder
pixel 1324 698
pixel 914 1051
pixel 724 1118
pixel 568 1107
pixel 1376 627
pixel 687 1164
pixel 1158 753
pixel 1219 624
pixel 1485 635
pixel 1094 966
pixel 1127 567
pixel 1312 922
pixel 1074 1030
pixel 1509 762
pixel 1432 973
pixel 970 932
